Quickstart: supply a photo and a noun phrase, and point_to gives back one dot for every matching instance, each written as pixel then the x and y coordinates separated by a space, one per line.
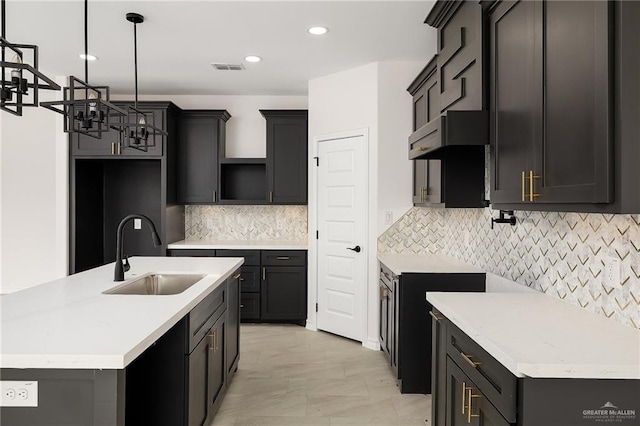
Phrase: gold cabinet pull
pixel 471 362
pixel 381 294
pixel 118 148
pixel 470 397
pixel 464 393
pixel 211 337
pixel 283 257
pixel 241 279
pixel 271 196
pixel 241 306
pixel 214 196
pixel 113 148
pixel 235 277
pixel 532 194
pixel 422 148
pixel 264 274
pixel 523 186
pixel 435 316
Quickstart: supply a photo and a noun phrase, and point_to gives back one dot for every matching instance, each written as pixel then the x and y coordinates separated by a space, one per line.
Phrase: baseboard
pixel 311 326
pixel 374 345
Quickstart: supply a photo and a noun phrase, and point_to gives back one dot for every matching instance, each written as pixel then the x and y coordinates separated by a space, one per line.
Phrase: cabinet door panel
pixel 197 363
pixel 438 368
pixel 284 293
pixel 233 323
pixel 575 157
pixel 384 321
pixel 216 367
pixel 516 108
pixel 250 306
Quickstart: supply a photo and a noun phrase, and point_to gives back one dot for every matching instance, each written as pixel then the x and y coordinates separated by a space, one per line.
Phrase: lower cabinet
pixel 471 387
pixel 406 339
pixel 183 377
pixel 273 283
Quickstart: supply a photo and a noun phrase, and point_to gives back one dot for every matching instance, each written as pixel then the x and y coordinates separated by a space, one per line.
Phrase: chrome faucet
pixel 121 267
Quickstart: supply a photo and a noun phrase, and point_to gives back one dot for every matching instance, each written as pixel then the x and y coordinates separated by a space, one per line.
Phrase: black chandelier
pixel 18 76
pixel 139 125
pixel 86 108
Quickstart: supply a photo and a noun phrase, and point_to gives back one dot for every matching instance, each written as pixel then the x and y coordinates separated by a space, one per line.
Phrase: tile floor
pixel 292 376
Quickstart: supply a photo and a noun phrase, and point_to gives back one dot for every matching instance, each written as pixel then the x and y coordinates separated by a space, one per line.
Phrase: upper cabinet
pixel 461 54
pixel 554 95
pixel 201 135
pixel 286 156
pixel 113 144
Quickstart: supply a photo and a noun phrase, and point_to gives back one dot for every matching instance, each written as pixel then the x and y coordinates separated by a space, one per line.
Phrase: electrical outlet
pixel 388 217
pixel 612 272
pixel 18 393
pixel 137 223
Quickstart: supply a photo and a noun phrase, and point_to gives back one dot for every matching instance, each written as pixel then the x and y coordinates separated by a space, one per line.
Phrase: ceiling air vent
pixel 228 67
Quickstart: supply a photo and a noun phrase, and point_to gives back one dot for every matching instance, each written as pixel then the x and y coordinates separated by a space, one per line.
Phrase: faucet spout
pixel 120 268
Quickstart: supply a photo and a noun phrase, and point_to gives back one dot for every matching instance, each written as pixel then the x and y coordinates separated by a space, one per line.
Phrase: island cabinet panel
pixel 232 340
pixel 406 339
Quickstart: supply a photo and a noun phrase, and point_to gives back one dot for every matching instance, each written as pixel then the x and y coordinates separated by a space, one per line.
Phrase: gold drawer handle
pixel 470 397
pixel 532 194
pixel 523 186
pixel 435 316
pixel 422 148
pixel 464 393
pixel 235 277
pixel 283 257
pixel 467 358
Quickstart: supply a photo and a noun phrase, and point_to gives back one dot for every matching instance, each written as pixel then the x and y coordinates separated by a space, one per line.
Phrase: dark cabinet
pixel 411 326
pixel 438 368
pixel 273 285
pixel 182 378
pixel 113 142
pixel 387 315
pixel 286 156
pixel 106 188
pixel 551 103
pixel 461 55
pixel 201 134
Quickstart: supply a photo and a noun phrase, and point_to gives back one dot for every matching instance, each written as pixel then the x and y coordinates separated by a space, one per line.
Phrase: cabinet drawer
pixel 191 253
pixel 284 257
pixel 387 277
pixel 491 377
pixel 202 317
pixel 251 257
pixel 250 279
pixel 250 306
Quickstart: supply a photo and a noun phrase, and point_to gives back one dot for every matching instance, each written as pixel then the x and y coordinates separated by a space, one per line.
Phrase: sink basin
pixel 157 284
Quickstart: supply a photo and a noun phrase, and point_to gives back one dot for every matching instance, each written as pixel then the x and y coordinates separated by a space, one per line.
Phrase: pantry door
pixel 342 197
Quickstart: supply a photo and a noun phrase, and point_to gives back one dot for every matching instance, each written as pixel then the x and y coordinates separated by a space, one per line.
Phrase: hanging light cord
pixel 135 60
pixel 86 41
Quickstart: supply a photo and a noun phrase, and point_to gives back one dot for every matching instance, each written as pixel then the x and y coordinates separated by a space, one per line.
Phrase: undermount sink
pixel 157 284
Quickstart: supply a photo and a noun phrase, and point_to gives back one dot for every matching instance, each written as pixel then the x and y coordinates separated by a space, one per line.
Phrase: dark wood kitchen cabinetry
pixel 105 188
pixel 273 284
pixel 182 378
pixel 471 387
pixel 112 143
pixel 455 179
pixel 202 134
pixel 287 161
pixel 461 55
pixel 561 119
pixel 407 337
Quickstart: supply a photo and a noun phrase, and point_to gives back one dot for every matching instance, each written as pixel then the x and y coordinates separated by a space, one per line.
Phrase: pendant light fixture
pixel 20 80
pixel 139 129
pixel 86 108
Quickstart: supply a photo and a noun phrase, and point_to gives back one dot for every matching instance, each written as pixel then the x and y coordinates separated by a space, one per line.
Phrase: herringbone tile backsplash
pixel 560 254
pixel 263 223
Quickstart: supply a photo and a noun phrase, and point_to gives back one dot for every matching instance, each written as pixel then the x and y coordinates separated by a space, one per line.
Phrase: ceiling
pixel 179 41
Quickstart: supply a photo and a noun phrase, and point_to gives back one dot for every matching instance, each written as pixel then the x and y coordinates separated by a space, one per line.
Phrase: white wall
pixel 373 97
pixel 33 198
pixel 246 129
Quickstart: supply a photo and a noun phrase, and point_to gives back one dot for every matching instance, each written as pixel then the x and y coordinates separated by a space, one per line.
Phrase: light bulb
pixel 92 105
pixel 142 121
pixel 16 73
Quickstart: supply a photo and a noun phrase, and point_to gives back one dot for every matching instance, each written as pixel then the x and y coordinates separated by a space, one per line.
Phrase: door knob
pixel 357 249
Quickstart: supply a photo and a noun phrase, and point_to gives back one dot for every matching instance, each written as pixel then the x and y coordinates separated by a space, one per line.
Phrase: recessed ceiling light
pixel 318 30
pixel 253 58
pixel 88 57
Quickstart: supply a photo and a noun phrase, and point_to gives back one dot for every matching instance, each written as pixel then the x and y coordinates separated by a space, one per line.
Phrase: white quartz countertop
pixel 239 245
pixel 70 324
pixel 425 263
pixel 539 336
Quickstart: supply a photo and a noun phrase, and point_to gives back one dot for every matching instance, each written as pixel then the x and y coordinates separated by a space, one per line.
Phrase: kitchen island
pixel 99 358
pixel 530 359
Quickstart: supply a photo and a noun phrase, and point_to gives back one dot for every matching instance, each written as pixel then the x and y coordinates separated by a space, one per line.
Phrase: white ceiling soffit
pixel 179 41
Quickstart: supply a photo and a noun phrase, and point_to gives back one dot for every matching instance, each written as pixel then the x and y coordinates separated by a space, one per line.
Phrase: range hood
pixel 451 132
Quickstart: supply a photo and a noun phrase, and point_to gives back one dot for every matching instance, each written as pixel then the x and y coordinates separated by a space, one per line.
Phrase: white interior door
pixel 342 218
